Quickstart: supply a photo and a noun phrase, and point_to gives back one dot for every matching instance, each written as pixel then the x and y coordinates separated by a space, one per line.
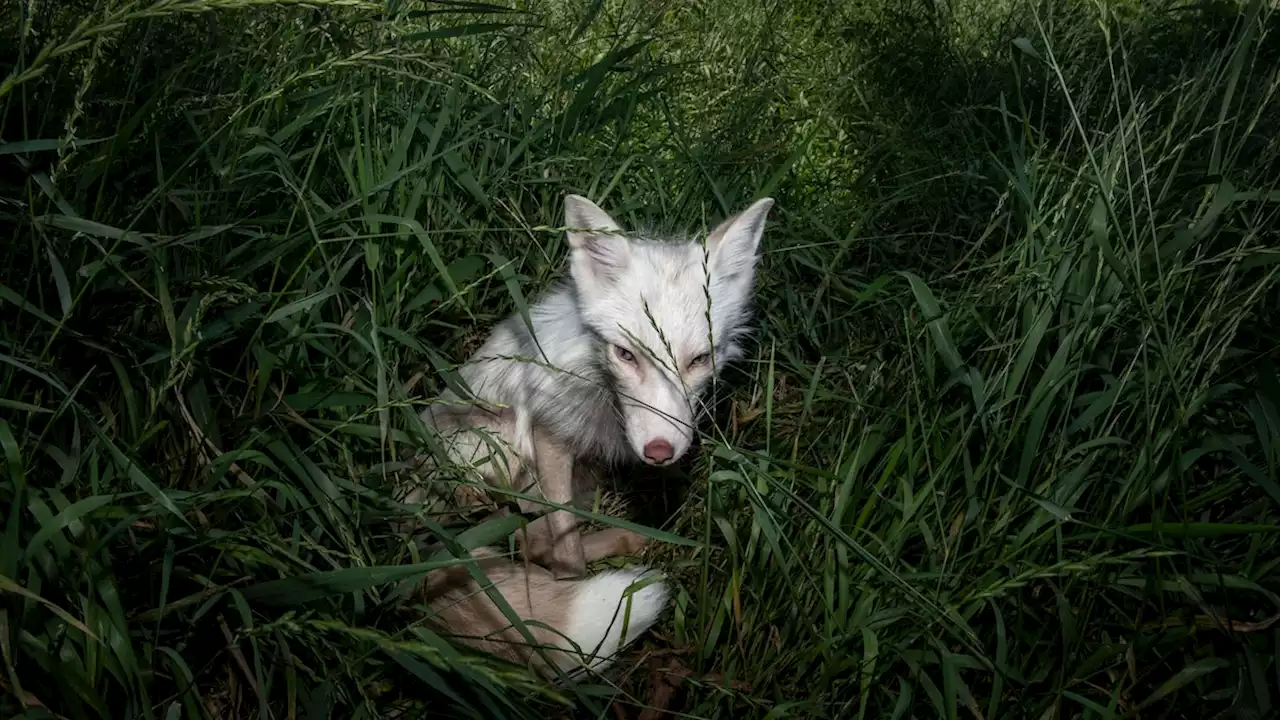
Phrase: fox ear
pixel 732 247
pixel 598 251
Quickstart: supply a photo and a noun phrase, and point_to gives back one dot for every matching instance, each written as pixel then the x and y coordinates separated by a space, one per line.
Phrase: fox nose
pixel 658 451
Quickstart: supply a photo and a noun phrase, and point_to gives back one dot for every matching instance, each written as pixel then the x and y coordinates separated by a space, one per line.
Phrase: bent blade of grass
pixel 302 589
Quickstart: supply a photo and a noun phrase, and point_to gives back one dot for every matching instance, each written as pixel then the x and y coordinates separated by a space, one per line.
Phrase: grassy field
pixel 1007 443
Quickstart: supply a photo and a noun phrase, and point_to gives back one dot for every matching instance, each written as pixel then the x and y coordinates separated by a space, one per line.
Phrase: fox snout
pixel 659 431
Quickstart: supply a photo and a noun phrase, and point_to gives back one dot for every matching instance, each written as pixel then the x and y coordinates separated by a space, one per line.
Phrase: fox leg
pixel 553 540
pixel 471 437
pixel 612 542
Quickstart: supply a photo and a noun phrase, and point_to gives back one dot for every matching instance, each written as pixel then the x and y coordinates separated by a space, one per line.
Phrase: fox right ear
pixel 735 244
pixel 598 249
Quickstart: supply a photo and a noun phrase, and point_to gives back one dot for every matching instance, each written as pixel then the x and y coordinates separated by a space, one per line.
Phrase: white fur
pixel 601 606
pixel 650 299
pixel 610 363
pixel 646 295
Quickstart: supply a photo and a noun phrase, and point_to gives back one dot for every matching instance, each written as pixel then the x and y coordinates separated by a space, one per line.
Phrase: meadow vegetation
pixel 1007 444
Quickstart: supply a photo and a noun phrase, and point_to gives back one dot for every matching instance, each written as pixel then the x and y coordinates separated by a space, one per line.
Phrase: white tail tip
pixel 606 605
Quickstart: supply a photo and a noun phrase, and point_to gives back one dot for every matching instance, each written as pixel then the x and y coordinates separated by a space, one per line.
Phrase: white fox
pixel 610 368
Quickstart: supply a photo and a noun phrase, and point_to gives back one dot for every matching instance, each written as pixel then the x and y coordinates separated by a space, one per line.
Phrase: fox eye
pixel 624 354
pixel 700 360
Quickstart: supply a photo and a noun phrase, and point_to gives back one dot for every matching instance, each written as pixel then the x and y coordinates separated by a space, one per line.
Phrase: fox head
pixel 668 315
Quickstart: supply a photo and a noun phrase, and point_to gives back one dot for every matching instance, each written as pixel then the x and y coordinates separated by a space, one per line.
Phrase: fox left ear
pixel 732 247
pixel 598 250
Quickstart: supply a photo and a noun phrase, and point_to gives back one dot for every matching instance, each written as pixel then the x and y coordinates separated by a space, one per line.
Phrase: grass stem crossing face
pixel 669 312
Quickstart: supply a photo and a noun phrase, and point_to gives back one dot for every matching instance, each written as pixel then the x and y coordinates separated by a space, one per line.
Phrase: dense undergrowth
pixel 1008 444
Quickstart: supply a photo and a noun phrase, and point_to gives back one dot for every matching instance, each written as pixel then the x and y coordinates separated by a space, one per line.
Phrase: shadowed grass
pixel 1008 444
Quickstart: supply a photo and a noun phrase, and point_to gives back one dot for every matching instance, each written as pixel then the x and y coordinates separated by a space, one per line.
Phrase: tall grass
pixel 1008 444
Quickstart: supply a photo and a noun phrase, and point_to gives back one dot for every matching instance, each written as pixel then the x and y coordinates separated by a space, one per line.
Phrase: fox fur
pixel 610 368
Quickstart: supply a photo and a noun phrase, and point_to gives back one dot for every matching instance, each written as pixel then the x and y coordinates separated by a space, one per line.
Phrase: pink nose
pixel 658 451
